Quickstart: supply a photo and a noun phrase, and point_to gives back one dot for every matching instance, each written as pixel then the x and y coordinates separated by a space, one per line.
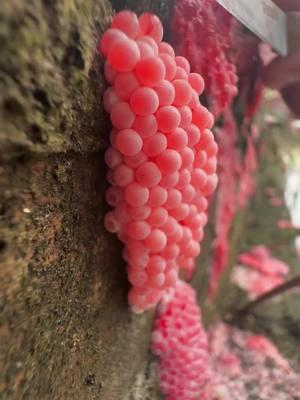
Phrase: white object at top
pixel 263 18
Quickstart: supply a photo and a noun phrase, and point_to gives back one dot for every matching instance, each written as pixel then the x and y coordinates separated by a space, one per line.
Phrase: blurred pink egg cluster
pixel 180 341
pixel 162 159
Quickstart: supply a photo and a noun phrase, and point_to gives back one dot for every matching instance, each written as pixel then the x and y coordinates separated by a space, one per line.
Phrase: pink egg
pixel 168 181
pixel 157 217
pixel 171 265
pixel 111 223
pixel 169 226
pixel 183 63
pixel 127 22
pixel 166 93
pixel 109 73
pixel 122 116
pixel 139 213
pixel 187 158
pixel 171 251
pixel 137 262
pixel 123 175
pixel 136 195
pixel 200 159
pixel 125 84
pixel 187 234
pixel 170 280
pixel 145 49
pixel 137 278
pixel 156 241
pixel 180 212
pixel 113 136
pixel 146 126
pixel 155 145
pixel 169 161
pixel 136 247
pixel 174 199
pixel 121 213
pixel 176 236
pixel 136 160
pixel 188 193
pixel 194 134
pixel 113 196
pixel 144 101
pixel 150 25
pixel 138 230
pixel 156 264
pixel 110 177
pixel 194 100
pixel 183 92
pixel 110 98
pixel 197 82
pixel 212 150
pixel 185 116
pixel 201 203
pixel 180 74
pixel 210 185
pixel 184 179
pixel 158 196
pixel 166 48
pixel 150 42
pixel 207 138
pixel 170 66
pixel 150 71
pixel 124 55
pixel 108 38
pixel 128 142
pixel 156 280
pixel 210 166
pixel 178 139
pixel 148 174
pixel 168 118
pixel 112 157
pixel 122 236
pixel 136 300
pixel 201 117
pixel 199 178
pixel 198 235
pixel 194 222
pixel 153 297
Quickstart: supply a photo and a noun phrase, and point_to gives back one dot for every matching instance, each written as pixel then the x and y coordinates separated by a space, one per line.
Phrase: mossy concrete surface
pixel 65 328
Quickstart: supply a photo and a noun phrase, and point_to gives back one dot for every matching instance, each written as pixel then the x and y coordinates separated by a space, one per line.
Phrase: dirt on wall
pixel 65 328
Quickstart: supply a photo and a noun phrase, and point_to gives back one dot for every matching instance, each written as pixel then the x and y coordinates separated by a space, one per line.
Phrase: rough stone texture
pixel 65 329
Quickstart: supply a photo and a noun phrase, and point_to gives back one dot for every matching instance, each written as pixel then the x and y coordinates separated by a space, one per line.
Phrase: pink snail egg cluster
pixel 180 341
pixel 162 158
